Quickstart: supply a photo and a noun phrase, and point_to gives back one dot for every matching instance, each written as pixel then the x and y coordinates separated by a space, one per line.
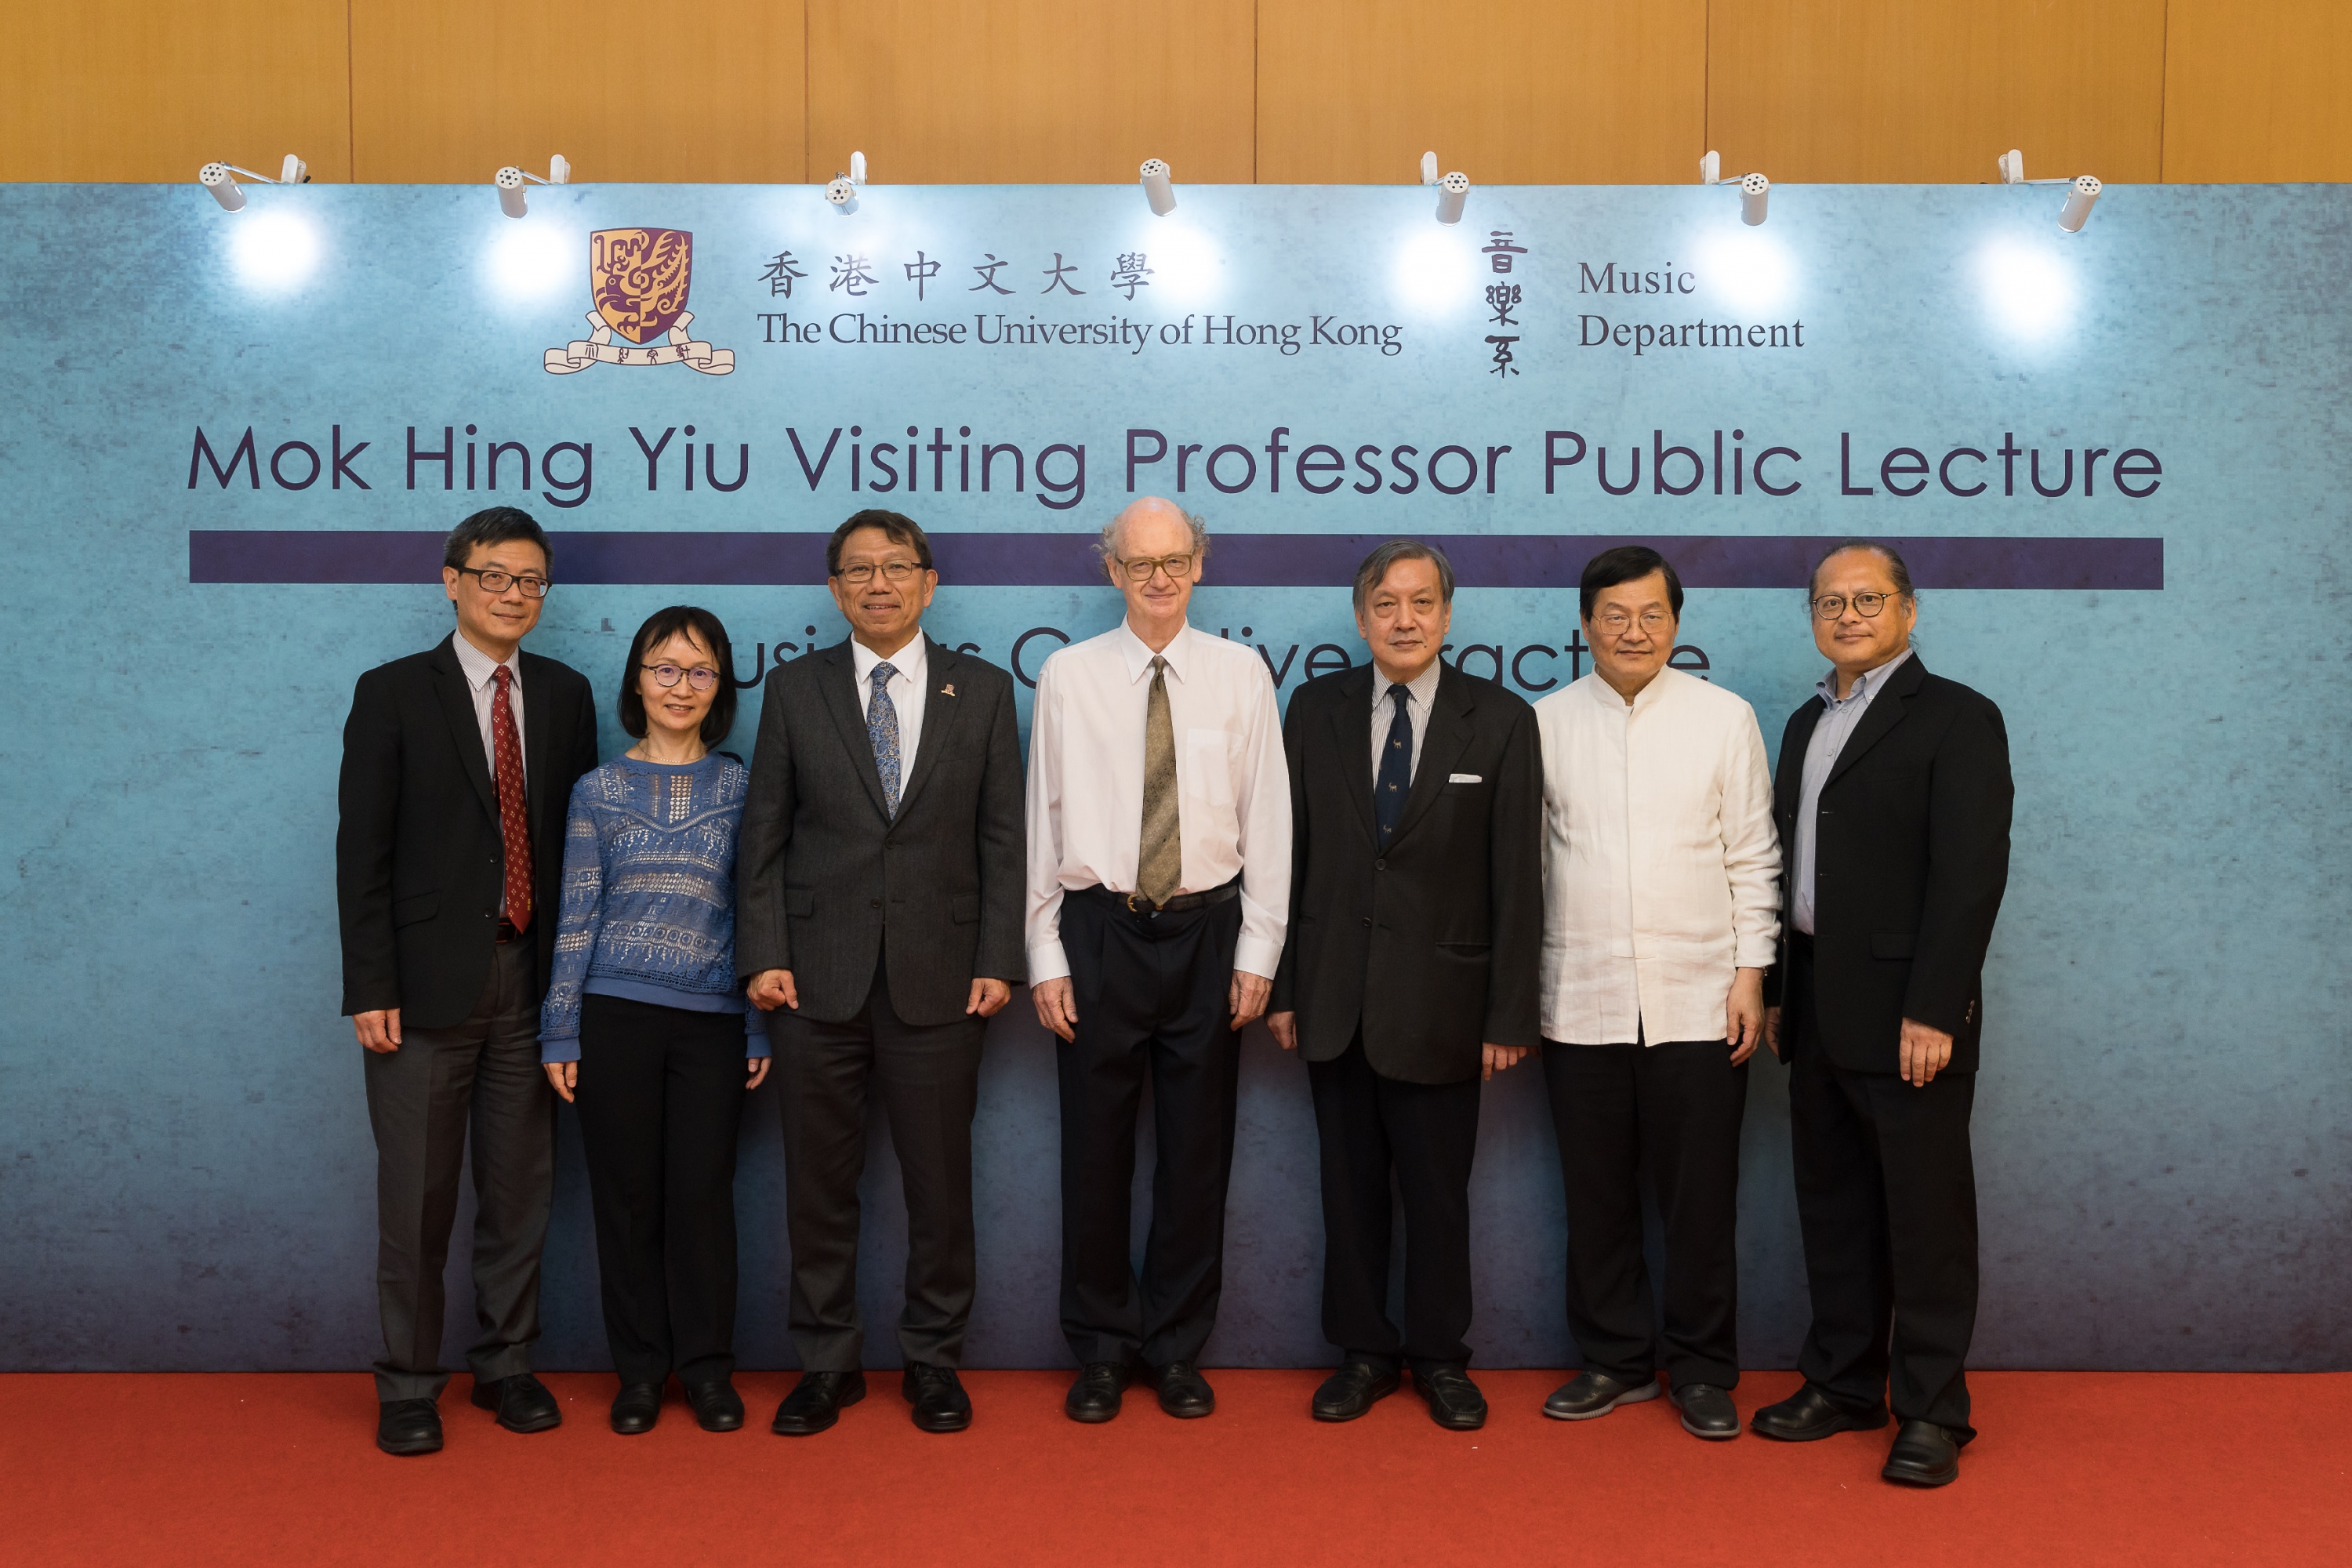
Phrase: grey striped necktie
pixel 882 729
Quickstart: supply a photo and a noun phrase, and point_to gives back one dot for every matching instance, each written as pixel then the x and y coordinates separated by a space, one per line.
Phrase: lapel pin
pixel 949 690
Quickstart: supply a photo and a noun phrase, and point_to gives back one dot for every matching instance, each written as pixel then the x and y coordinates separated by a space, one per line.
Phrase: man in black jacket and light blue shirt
pixel 1894 797
pixel 878 920
pixel 458 765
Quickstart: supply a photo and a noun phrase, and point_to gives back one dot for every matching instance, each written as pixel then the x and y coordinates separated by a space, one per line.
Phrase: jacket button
pixel 1380 865
pixel 1368 920
pixel 873 903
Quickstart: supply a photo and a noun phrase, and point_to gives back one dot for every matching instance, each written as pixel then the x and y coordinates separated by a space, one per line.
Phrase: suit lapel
pixel 1789 784
pixel 1885 712
pixel 839 683
pixel 538 753
pixel 940 712
pixel 465 729
pixel 1448 737
pixel 1351 719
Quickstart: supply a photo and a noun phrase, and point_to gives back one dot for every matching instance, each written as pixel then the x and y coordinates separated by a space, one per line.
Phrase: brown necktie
pixel 1159 866
pixel 513 825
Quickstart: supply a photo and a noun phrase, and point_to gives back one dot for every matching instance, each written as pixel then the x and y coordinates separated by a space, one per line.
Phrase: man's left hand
pixel 1926 1052
pixel 1499 1058
pixel 1743 1015
pixel 987 996
pixel 1249 994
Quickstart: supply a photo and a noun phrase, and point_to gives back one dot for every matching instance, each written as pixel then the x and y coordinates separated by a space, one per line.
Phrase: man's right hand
pixel 1286 1030
pixel 1058 1007
pixel 1773 1033
pixel 379 1031
pixel 773 988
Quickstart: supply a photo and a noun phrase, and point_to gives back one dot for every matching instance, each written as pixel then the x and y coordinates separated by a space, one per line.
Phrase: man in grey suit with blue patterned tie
pixel 879 921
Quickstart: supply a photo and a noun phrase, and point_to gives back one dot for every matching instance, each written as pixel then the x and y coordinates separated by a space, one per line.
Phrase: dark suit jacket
pixel 1432 948
pixel 819 866
pixel 1911 858
pixel 419 859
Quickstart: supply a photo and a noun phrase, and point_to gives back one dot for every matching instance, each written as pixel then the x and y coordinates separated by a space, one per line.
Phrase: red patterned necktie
pixel 512 826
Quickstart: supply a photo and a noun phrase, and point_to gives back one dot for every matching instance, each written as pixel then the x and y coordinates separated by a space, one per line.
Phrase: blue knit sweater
pixel 649 897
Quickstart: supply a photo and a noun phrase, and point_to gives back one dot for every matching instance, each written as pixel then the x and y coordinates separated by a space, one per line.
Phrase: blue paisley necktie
pixel 882 729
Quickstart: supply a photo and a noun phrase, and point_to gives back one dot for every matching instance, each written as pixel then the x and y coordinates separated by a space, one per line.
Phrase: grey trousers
pixel 481 1075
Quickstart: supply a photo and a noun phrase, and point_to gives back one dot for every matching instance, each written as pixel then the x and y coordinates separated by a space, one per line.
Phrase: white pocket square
pixel 1463 778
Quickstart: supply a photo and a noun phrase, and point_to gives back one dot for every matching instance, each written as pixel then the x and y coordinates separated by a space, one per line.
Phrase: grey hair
pixel 1376 566
pixel 1106 545
pixel 1895 567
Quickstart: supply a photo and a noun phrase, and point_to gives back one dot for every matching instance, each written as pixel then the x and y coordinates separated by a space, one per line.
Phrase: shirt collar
pixel 1138 655
pixel 1423 687
pixel 1864 685
pixel 908 661
pixel 478 665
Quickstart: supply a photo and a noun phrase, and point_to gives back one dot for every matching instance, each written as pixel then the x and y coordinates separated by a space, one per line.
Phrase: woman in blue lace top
pixel 644 1028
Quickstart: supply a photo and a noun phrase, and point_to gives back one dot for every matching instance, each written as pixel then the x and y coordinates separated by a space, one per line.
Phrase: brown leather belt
pixel 1136 903
pixel 507 932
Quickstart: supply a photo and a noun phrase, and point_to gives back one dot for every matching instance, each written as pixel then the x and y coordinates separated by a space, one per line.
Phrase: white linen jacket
pixel 1661 861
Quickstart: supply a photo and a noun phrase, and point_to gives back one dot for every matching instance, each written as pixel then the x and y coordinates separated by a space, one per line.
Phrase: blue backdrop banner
pixel 231 442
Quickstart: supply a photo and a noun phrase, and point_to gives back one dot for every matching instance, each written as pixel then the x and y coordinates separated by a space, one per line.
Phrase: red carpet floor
pixel 2072 1468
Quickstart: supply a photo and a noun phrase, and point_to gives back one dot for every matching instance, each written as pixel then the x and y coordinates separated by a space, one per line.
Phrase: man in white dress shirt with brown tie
pixel 1159 890
pixel 1661 915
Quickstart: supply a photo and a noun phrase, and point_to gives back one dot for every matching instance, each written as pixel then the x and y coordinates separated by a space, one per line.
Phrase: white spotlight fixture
pixel 1157 188
pixel 511 180
pixel 1755 190
pixel 220 179
pixel 841 189
pixel 2082 194
pixel 1453 193
pixel 1429 168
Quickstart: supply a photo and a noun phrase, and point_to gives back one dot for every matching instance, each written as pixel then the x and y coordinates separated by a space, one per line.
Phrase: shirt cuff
pixel 1255 955
pixel 755 1032
pixel 1048 962
pixel 1756 953
pixel 559 1048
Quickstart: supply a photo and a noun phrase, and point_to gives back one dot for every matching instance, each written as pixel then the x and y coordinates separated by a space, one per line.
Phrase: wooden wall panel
pixel 448 90
pixel 1020 92
pixel 1869 90
pixel 2258 91
pixel 1509 91
pixel 118 89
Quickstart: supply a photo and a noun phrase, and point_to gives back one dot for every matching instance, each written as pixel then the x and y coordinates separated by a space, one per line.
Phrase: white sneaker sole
pixel 1633 1395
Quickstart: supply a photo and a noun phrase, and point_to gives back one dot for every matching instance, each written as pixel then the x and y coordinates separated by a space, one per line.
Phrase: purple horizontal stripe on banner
pixel 1236 560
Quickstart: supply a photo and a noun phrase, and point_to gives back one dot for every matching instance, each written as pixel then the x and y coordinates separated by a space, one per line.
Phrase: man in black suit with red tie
pixel 458 765
pixel 1411 970
pixel 1893 798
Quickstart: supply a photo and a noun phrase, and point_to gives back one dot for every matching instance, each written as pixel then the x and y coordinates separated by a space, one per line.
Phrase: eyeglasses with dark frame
pixel 1830 607
pixel 495 581
pixel 1141 568
pixel 702 677
pixel 1614 622
pixel 895 572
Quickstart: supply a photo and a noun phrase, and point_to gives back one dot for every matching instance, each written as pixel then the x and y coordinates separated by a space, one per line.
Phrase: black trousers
pixel 480 1077
pixel 929 1077
pixel 1152 997
pixel 1671 1112
pixel 660 1098
pixel 1886 1195
pixel 1370 1127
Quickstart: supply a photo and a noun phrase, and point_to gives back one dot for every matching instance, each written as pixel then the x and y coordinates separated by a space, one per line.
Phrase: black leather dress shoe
pixel 522 1401
pixel 1454 1402
pixel 1707 1411
pixel 1809 1414
pixel 636 1407
pixel 816 1401
pixel 936 1393
pixel 1355 1388
pixel 1589 1395
pixel 717 1407
pixel 408 1426
pixel 1095 1396
pixel 1925 1454
pixel 1183 1391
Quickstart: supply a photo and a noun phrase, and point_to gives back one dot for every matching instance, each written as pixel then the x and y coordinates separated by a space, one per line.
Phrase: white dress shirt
pixel 1831 732
pixel 1419 692
pixel 481 671
pixel 1085 784
pixel 1661 860
pixel 908 690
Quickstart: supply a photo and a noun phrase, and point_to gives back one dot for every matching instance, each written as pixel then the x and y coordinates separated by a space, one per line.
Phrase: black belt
pixel 507 932
pixel 1136 903
pixel 1799 940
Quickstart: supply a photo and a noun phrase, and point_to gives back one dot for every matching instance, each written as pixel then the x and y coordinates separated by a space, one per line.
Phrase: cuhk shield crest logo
pixel 639 279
